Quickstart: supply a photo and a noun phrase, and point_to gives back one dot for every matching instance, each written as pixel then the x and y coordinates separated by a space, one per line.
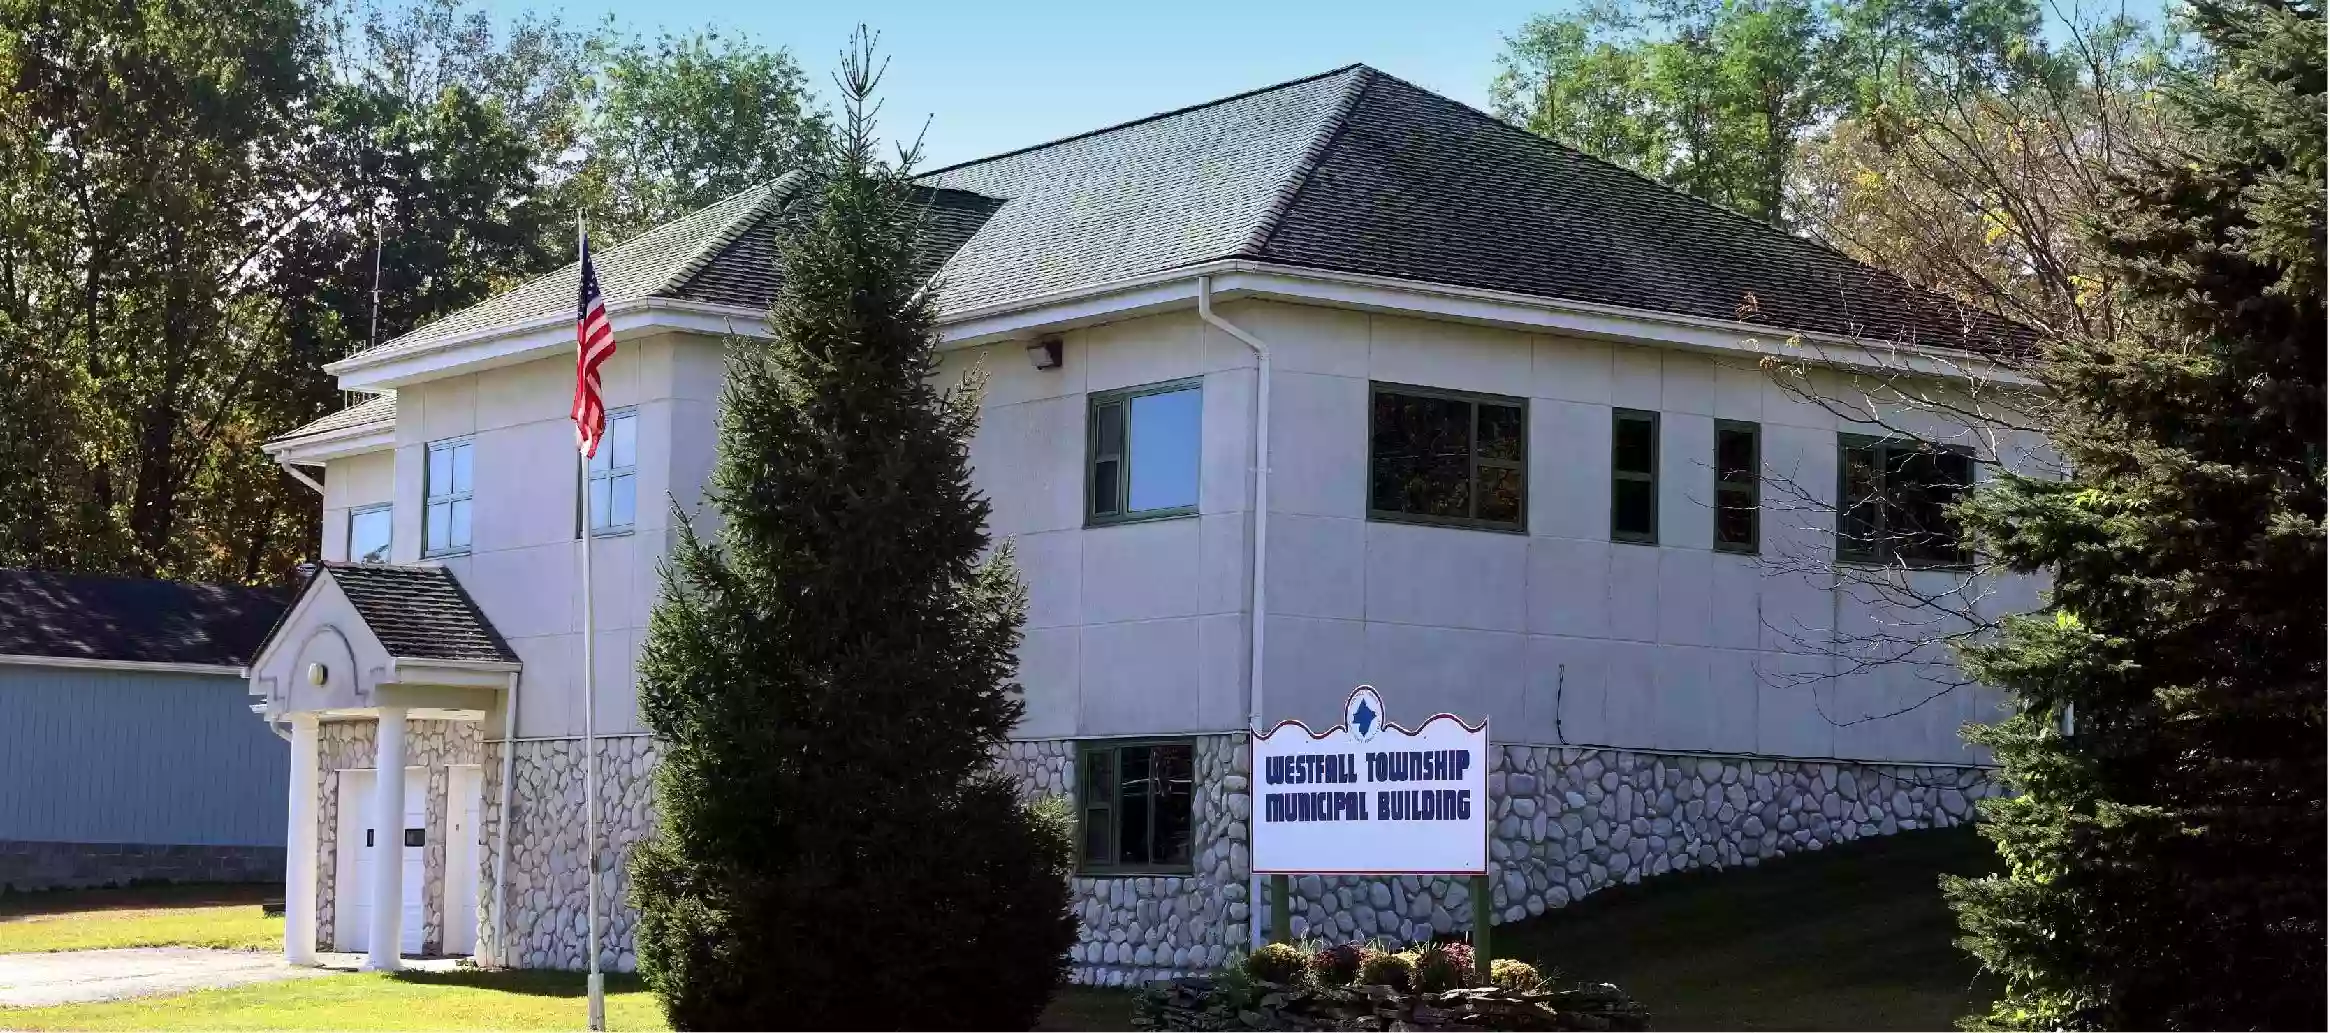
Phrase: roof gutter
pixel 292 468
pixel 95 664
pixel 1171 289
pixel 1261 546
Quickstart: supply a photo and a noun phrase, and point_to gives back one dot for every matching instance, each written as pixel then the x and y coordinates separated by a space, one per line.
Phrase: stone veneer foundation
pixel 547 880
pixel 1565 822
pixel 430 745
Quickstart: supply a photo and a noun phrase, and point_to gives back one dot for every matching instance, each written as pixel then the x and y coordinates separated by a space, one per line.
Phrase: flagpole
pixel 595 984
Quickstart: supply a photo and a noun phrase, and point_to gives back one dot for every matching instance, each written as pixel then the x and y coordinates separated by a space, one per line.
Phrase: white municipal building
pixel 1519 464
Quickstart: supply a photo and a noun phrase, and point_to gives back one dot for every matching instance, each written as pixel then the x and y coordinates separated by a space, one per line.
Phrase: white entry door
pixel 465 791
pixel 352 898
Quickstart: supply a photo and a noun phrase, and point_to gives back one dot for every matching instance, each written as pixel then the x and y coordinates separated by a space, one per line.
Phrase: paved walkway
pixel 72 977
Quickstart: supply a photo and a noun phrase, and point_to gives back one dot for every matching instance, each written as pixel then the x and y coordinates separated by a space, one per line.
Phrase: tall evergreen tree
pixel 830 675
pixel 2165 843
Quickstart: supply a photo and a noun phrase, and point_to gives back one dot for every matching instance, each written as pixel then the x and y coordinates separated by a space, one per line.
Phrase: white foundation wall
pixel 1559 636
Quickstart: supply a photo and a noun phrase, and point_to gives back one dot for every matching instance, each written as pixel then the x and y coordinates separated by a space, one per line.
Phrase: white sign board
pixel 1368 797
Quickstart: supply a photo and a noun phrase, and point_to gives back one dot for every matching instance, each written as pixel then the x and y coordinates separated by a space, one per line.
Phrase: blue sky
pixel 996 75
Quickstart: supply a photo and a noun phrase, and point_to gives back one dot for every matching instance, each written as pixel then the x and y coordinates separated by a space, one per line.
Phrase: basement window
pixel 1135 801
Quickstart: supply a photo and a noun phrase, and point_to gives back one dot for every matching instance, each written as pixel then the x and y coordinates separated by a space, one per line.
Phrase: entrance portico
pixel 389 679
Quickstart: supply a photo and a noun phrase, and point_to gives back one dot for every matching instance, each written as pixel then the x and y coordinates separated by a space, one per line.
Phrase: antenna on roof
pixel 349 399
pixel 372 337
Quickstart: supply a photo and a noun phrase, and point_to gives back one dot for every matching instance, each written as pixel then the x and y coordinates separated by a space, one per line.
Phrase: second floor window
pixel 1143 448
pixel 1447 457
pixel 445 517
pixel 614 475
pixel 1634 476
pixel 368 534
pixel 1737 482
pixel 1893 501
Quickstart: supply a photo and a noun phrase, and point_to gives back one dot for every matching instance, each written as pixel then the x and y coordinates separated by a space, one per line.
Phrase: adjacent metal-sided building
pixel 127 747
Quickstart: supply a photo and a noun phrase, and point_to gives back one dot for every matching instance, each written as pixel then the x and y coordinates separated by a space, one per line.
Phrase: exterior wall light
pixel 317 674
pixel 1045 353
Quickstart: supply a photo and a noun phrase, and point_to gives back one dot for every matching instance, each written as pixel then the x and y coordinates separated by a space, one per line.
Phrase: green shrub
pixel 1278 963
pixel 1513 974
pixel 1443 966
pixel 1397 971
pixel 1340 964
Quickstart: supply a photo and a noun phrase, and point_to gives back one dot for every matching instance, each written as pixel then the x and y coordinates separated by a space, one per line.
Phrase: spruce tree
pixel 2164 846
pixel 829 674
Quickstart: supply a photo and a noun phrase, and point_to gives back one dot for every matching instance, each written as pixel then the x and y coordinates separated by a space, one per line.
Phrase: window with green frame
pixel 1447 457
pixel 1142 450
pixel 1135 802
pixel 1634 476
pixel 1894 498
pixel 1738 480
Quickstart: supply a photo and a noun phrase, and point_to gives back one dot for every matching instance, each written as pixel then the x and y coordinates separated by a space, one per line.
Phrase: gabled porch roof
pixel 367 635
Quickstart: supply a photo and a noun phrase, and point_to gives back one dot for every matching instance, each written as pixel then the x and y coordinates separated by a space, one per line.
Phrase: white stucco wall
pixel 351 482
pixel 1140 629
pixel 522 564
pixel 1558 635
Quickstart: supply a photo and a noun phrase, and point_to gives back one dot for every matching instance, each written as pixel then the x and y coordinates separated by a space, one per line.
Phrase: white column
pixel 299 845
pixel 388 819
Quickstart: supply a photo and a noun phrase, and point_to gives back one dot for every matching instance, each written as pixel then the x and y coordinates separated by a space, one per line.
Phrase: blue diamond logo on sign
pixel 1363 714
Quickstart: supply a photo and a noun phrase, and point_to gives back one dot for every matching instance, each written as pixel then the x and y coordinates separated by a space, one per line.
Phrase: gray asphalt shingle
pixel 90 617
pixel 420 612
pixel 1350 170
pixel 377 409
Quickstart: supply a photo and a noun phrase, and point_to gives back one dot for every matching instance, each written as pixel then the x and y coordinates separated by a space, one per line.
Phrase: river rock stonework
pixel 547 880
pixel 1132 929
pixel 429 745
pixel 1565 822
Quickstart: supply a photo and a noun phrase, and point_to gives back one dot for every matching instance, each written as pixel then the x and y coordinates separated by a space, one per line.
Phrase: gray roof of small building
pixel 377 409
pixel 419 612
pixel 90 617
pixel 1350 170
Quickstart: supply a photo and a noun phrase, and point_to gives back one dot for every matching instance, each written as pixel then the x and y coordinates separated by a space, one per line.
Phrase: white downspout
pixel 293 470
pixel 502 828
pixel 1254 716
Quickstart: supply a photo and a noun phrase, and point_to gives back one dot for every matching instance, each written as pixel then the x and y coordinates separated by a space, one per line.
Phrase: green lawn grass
pixel 462 1000
pixel 224 916
pixel 1849 938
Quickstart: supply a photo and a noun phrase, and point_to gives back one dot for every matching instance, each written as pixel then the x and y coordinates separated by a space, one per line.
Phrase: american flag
pixel 594 340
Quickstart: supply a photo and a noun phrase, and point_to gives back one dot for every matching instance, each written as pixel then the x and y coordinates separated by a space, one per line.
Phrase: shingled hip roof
pixel 1349 171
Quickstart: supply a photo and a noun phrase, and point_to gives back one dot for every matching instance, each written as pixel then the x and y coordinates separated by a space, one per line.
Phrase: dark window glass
pixel 1108 458
pixel 1634 445
pixel 1134 830
pixel 1171 781
pixel 1737 486
pixel 1099 815
pixel 1445 458
pixel 1634 461
pixel 1138 806
pixel 1893 501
